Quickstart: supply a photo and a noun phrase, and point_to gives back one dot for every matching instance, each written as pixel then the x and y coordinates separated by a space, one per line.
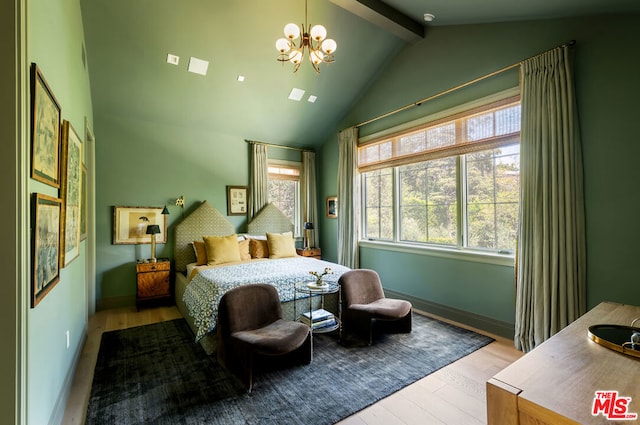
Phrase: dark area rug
pixel 156 374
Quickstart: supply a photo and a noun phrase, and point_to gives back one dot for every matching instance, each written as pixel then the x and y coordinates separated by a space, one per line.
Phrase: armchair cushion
pixel 279 337
pixel 385 309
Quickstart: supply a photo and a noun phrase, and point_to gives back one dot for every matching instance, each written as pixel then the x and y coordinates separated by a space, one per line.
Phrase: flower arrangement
pixel 319 276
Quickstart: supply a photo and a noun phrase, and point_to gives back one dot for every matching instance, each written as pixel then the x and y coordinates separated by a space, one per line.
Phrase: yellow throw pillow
pixel 281 245
pixel 243 245
pixel 258 248
pixel 201 252
pixel 222 249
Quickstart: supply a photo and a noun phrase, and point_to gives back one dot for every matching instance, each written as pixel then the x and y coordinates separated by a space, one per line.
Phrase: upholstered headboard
pixel 203 221
pixel 269 219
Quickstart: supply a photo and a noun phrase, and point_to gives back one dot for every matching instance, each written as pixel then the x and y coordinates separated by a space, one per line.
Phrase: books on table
pixel 319 318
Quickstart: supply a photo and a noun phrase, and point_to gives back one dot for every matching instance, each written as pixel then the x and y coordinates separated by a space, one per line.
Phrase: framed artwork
pixel 83 205
pixel 130 225
pixel 70 193
pixel 45 245
pixel 237 200
pixel 332 207
pixel 45 131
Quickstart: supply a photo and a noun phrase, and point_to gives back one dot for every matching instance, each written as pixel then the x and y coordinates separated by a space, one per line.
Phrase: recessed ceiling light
pixel 173 59
pixel 241 78
pixel 429 17
pixel 198 66
pixel 296 94
pixel 312 98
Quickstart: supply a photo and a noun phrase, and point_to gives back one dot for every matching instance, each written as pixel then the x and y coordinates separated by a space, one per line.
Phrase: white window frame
pixel 297 225
pixel 458 252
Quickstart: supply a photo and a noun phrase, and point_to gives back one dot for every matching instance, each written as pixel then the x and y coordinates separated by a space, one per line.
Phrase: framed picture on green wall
pixel 45 245
pixel 45 131
pixel 332 207
pixel 237 200
pixel 130 225
pixel 70 192
pixel 83 205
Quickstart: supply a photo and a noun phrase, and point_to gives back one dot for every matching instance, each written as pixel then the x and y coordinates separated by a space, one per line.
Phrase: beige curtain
pixel 348 198
pixel 310 195
pixel 551 259
pixel 258 180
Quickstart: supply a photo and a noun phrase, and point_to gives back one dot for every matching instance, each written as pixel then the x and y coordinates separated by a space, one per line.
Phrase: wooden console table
pixel 555 383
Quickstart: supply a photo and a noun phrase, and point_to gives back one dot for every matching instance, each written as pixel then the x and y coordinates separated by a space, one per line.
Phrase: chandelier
pixel 318 47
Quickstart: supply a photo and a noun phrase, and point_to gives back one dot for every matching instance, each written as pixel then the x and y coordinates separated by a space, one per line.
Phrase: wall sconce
pixel 180 201
pixel 153 230
pixel 308 227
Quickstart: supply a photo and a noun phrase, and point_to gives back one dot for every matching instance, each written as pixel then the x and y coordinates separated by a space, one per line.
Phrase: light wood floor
pixel 452 395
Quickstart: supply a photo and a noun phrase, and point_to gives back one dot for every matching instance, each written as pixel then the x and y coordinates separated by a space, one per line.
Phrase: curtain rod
pixel 571 43
pixel 253 142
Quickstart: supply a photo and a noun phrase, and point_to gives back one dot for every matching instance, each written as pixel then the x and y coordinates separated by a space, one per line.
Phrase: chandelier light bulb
pixel 283 45
pixel 329 46
pixel 318 32
pixel 291 31
pixel 316 56
pixel 295 57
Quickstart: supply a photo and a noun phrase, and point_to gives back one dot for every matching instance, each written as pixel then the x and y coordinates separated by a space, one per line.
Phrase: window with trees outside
pixel 454 182
pixel 284 190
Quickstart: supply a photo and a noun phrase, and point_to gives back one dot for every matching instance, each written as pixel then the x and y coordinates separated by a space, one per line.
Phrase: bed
pixel 198 289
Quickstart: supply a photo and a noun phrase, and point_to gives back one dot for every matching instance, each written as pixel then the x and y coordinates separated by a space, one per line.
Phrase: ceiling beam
pixel 386 17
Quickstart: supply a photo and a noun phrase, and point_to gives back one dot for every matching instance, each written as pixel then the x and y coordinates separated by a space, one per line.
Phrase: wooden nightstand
pixel 311 252
pixel 153 281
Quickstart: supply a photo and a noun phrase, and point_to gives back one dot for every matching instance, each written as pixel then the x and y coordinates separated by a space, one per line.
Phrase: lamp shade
pixel 153 229
pixel 308 225
pixel 165 210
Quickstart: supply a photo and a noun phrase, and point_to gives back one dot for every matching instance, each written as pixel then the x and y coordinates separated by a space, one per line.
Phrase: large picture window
pixel 453 182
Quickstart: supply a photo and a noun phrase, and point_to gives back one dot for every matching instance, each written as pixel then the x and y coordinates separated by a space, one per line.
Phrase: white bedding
pixel 203 293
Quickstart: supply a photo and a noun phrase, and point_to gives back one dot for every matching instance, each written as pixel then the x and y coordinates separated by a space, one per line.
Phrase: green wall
pixel 55 43
pixel 607 90
pixel 151 164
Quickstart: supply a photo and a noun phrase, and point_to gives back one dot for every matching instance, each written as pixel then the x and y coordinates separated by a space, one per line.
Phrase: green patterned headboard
pixel 269 219
pixel 203 221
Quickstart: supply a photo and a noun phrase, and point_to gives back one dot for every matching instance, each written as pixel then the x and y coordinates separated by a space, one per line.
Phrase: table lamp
pixel 308 227
pixel 153 230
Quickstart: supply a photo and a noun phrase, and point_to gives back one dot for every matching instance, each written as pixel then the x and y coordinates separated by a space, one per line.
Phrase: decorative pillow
pixel 258 248
pixel 201 253
pixel 243 245
pixel 222 249
pixel 281 245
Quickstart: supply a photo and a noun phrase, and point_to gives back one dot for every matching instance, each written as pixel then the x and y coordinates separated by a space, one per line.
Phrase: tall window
pixel 452 182
pixel 284 190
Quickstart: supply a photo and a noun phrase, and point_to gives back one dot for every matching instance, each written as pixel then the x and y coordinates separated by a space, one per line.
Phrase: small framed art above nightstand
pixel 310 252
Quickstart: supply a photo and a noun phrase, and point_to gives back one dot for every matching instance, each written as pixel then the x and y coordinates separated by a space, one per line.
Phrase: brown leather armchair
pixel 364 304
pixel 250 325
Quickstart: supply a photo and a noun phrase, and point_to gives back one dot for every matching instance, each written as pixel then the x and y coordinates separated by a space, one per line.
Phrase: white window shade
pixel 488 126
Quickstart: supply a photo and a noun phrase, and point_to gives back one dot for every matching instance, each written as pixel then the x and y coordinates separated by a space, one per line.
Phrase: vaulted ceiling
pixel 127 43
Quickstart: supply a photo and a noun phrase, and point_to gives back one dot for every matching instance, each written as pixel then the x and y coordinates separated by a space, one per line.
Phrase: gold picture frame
pixel 332 207
pixel 46 118
pixel 130 225
pixel 46 250
pixel 83 206
pixel 237 200
pixel 70 193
